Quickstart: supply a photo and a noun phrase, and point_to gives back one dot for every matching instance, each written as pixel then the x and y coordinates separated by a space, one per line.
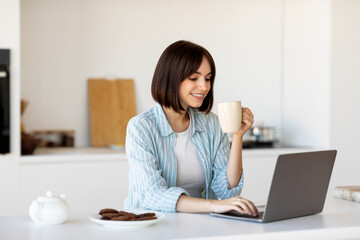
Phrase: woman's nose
pixel 203 84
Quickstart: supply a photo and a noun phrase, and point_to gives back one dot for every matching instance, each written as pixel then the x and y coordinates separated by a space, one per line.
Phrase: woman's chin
pixel 195 105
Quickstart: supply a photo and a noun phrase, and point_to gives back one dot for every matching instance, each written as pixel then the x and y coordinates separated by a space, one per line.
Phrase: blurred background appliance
pixel 260 136
pixel 4 101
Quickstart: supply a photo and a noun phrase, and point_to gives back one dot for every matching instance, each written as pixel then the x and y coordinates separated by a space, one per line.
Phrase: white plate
pixel 127 224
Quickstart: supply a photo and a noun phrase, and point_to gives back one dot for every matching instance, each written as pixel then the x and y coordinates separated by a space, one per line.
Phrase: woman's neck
pixel 179 122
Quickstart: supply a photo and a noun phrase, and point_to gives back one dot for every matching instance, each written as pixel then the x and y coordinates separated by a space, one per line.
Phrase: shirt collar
pixel 196 123
pixel 162 122
pixel 165 128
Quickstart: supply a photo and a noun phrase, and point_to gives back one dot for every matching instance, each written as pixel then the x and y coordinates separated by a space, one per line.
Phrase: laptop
pixel 298 187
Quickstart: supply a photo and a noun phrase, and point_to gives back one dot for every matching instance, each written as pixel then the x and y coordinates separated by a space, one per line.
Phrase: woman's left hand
pixel 247 121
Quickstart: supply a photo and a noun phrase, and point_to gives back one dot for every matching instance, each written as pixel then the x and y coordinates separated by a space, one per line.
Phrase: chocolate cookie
pixel 123 213
pixel 108 216
pixel 107 210
pixel 120 218
pixel 146 218
pixel 131 215
pixel 114 215
pixel 146 215
pixel 105 218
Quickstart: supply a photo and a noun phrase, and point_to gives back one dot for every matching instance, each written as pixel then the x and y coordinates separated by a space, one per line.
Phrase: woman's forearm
pixel 234 168
pixel 199 205
pixel 191 204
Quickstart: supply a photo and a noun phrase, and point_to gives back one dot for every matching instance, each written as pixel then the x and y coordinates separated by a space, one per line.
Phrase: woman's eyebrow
pixel 205 75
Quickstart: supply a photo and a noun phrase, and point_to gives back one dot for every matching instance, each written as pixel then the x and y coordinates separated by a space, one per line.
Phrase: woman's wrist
pixel 238 136
pixel 191 204
pixel 209 204
pixel 237 139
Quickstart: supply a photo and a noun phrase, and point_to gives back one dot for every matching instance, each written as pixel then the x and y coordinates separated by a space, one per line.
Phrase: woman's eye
pixel 208 79
pixel 192 79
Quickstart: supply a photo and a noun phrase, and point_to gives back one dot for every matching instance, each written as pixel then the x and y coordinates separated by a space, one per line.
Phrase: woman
pixel 179 158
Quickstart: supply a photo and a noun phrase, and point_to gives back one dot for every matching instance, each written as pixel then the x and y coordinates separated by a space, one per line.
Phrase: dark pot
pixel 28 144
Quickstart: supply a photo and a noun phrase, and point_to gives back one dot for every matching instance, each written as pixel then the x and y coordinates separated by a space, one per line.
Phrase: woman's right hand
pixel 237 203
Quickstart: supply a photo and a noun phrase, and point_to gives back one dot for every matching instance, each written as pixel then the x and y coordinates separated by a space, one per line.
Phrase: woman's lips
pixel 198 96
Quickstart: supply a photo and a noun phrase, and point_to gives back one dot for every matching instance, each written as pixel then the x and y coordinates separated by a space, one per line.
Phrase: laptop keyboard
pixel 237 214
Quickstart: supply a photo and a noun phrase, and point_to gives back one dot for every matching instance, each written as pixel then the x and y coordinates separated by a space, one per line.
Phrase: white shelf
pixel 75 151
pixel 71 155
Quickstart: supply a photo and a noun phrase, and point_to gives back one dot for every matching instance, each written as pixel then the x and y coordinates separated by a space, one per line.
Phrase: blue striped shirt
pixel 150 143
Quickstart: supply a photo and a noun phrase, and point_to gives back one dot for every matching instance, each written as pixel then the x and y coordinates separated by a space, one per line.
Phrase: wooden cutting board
pixel 111 105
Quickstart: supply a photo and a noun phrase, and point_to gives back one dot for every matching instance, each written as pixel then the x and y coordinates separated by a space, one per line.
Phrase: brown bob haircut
pixel 176 63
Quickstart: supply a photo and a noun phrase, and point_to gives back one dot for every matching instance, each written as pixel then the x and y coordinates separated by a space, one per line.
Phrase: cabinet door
pixel 89 186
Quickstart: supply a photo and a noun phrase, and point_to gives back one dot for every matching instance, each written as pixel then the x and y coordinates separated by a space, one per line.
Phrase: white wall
pixel 306 72
pixel 10 38
pixel 66 42
pixel 345 89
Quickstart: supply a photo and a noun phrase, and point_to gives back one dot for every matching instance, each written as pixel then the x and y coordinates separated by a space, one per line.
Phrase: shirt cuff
pixel 221 187
pixel 171 197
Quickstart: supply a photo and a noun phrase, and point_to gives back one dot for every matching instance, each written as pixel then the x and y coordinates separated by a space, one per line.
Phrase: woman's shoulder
pixel 144 119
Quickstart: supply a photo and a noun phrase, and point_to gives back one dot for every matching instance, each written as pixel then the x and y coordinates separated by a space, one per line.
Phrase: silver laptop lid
pixel 299 185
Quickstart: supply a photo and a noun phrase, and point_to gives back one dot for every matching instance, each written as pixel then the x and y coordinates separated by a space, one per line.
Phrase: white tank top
pixel 190 174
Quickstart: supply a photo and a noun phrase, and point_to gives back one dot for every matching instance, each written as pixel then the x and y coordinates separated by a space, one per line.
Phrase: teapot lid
pixel 51 198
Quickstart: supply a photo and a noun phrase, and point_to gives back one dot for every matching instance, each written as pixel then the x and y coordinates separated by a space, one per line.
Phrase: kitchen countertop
pixel 90 154
pixel 339 220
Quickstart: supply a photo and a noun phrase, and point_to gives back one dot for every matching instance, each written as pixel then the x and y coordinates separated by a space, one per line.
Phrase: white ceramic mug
pixel 230 115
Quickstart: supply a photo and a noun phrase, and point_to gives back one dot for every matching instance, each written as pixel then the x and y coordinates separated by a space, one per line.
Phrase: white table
pixel 339 220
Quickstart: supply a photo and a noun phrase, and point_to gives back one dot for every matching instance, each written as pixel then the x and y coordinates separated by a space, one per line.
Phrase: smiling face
pixel 194 88
pixel 179 76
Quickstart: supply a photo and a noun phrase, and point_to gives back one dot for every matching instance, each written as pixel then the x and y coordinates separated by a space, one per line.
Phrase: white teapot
pixel 50 209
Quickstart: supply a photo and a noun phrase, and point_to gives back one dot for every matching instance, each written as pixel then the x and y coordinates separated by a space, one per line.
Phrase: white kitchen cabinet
pixel 90 181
